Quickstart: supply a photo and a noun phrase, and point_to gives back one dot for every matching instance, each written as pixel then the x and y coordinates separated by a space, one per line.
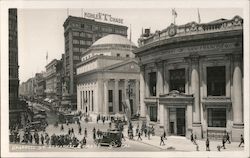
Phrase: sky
pixel 41 30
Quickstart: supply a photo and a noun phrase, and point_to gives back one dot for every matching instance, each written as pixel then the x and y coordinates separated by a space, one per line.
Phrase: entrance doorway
pixel 153 113
pixel 180 121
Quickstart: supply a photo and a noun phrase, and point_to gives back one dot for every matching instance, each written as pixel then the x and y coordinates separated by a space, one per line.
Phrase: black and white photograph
pixel 124 78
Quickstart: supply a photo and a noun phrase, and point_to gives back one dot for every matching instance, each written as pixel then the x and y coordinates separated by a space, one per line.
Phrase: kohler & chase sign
pixel 103 17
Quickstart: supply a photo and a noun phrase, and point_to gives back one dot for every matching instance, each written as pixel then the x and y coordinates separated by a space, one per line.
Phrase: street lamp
pixel 130 93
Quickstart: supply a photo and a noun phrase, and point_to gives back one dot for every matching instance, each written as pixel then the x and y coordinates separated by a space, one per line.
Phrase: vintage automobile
pixel 110 138
pixel 70 118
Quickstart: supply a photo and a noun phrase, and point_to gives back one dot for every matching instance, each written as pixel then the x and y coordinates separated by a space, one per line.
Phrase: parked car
pixel 110 138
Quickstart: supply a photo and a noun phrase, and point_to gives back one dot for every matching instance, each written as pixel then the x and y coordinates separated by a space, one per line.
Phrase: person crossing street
pixel 162 141
pixel 139 136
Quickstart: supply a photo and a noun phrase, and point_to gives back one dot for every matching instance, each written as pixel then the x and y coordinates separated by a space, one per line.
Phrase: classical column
pixel 159 87
pixel 105 93
pixel 125 88
pixel 116 96
pixel 142 92
pixel 238 124
pixel 137 93
pixel 159 83
pixel 195 87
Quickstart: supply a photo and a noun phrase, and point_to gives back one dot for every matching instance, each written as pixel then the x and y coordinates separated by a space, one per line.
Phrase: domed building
pixel 107 76
pixel 192 78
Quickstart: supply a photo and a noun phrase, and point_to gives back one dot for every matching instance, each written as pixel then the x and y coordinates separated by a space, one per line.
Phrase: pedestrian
pixel 149 134
pixel 83 142
pixel 139 136
pixel 192 137
pixel 103 119
pixel 80 130
pixel 69 132
pixel 228 138
pixel 223 143
pixel 207 145
pixel 162 141
pixel 72 130
pixel 137 130
pixel 62 128
pixel 164 134
pixel 94 130
pixel 42 139
pixel 241 140
pixel 122 136
pixel 110 124
pixel 85 132
pixel 145 131
pixel 94 135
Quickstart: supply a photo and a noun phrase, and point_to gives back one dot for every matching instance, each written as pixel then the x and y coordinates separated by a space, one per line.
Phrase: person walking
pixel 145 131
pixel 192 137
pixel 207 145
pixel 80 130
pixel 241 140
pixel 164 134
pixel 228 138
pixel 85 132
pixel 162 141
pixel 223 143
pixel 42 139
pixel 139 136
pixel 83 142
pixel 149 132
pixel 62 128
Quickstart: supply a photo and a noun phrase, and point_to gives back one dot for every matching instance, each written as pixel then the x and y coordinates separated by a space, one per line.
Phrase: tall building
pixel 79 34
pixel 51 80
pixel 192 78
pixel 107 76
pixel 15 108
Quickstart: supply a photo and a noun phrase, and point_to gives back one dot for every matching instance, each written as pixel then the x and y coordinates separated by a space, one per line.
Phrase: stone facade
pixel 197 52
pixel 105 81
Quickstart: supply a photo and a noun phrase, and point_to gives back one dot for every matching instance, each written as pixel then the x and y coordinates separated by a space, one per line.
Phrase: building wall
pixel 223 47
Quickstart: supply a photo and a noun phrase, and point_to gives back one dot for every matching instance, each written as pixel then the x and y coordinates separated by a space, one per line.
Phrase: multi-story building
pixel 79 34
pixel 107 76
pixel 15 109
pixel 192 77
pixel 51 80
pixel 60 79
pixel 41 86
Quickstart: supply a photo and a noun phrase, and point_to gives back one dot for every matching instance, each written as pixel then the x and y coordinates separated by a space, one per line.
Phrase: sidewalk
pixel 178 143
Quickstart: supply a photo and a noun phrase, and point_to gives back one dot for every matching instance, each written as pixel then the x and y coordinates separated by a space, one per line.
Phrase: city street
pixel 173 143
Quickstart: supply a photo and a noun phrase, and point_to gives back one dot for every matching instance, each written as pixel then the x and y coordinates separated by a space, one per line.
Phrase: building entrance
pixel 177 119
pixel 180 120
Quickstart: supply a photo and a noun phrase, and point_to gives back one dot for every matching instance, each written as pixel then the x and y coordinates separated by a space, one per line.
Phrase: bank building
pixel 192 77
pixel 107 75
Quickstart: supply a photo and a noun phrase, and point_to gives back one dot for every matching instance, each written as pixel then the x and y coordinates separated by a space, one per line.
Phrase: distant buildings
pixel 80 33
pixel 192 78
pixel 107 75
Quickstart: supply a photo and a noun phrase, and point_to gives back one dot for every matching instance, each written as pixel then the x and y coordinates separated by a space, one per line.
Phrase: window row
pixel 216 81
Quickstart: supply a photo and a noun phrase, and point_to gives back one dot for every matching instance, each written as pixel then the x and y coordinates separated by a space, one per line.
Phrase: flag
pixel 47 56
pixel 174 13
pixel 130 34
pixel 199 17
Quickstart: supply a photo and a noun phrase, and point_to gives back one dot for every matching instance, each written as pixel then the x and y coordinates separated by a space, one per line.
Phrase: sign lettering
pixel 103 17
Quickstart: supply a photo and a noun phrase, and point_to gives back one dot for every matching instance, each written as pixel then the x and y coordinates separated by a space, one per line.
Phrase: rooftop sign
pixel 103 17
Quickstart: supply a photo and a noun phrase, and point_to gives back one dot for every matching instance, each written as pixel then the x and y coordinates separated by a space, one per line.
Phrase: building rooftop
pixel 113 39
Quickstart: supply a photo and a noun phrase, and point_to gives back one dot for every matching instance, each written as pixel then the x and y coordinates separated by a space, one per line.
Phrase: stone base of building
pixel 237 130
pixel 197 130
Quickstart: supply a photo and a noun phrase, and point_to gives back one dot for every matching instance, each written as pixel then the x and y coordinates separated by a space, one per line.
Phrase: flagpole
pixel 199 17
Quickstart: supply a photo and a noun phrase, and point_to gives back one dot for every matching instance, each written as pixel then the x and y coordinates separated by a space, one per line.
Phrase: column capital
pixel 237 57
pixel 194 58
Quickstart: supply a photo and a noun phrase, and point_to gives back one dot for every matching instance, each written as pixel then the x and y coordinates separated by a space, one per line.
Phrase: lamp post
pixel 130 94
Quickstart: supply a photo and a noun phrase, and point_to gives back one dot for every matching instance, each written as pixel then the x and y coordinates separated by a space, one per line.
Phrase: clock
pixel 172 30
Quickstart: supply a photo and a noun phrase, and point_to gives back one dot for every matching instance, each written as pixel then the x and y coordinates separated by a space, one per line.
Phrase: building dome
pixel 113 39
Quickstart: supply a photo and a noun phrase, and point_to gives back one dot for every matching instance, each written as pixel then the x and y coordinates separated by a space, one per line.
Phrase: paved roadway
pixel 128 145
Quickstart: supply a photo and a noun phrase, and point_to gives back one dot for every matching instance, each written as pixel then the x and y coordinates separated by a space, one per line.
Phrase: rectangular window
pixel 120 100
pixel 177 80
pixel 118 55
pixel 217 117
pixel 152 83
pixel 81 99
pixel 75 33
pixel 216 81
pixel 127 55
pixel 89 100
pixel 82 25
pixel 75 41
pixel 110 100
pixel 76 49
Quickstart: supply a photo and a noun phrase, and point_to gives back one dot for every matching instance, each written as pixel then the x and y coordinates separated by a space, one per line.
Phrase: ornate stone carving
pixel 172 30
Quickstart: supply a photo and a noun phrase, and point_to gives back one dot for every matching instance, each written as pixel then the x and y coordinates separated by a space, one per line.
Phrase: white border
pixel 117 4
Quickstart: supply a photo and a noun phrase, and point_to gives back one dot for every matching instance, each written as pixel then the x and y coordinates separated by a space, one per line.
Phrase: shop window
pixel 177 80
pixel 216 117
pixel 110 96
pixel 152 84
pixel 216 81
